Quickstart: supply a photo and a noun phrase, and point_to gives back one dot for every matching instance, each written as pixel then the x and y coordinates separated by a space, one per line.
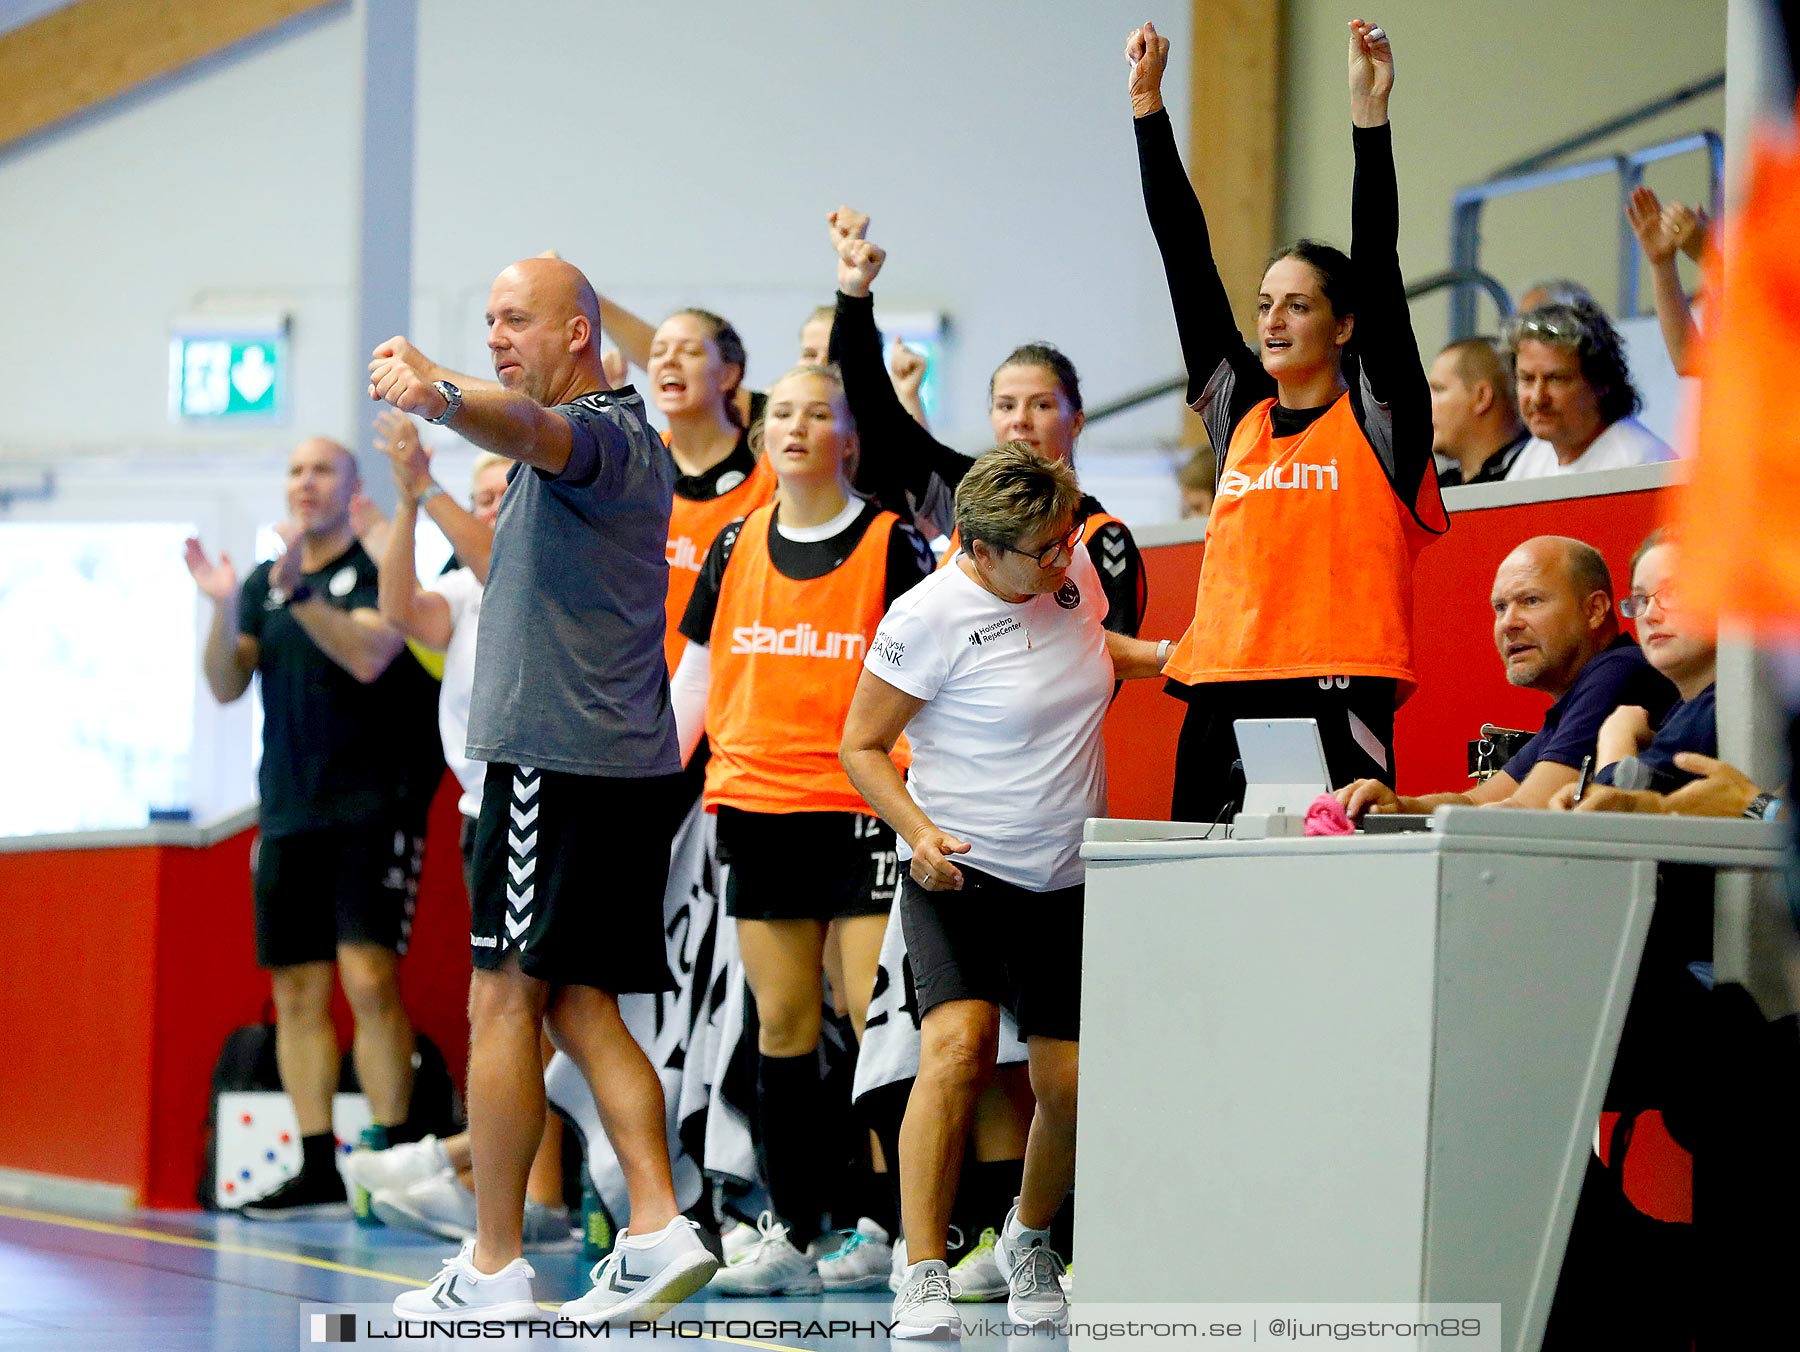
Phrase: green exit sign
pixel 234 375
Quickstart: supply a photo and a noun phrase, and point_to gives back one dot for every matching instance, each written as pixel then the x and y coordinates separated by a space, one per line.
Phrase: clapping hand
pixel 398 439
pixel 1651 226
pixel 284 576
pixel 1689 225
pixel 217 580
pixel 1148 52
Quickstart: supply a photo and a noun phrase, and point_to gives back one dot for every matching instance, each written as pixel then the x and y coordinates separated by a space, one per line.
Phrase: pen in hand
pixel 1587 775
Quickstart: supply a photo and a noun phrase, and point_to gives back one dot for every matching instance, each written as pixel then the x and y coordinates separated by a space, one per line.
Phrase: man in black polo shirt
pixel 350 760
pixel 1474 413
pixel 1557 632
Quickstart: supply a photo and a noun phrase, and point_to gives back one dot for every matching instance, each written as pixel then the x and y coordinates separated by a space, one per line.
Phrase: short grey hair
pixel 1012 492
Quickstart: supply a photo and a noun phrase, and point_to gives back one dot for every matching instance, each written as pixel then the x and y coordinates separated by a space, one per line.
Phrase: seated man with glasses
pixel 1638 764
pixel 1556 631
pixel 1576 395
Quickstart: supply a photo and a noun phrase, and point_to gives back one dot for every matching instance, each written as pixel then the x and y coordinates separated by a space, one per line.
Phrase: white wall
pixel 225 188
pixel 674 153
pixel 1477 86
pixel 690 153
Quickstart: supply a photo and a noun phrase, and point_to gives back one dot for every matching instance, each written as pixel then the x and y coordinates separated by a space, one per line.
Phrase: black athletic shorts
pixel 465 841
pixel 1355 715
pixel 806 865
pixel 1003 944
pixel 338 885
pixel 569 876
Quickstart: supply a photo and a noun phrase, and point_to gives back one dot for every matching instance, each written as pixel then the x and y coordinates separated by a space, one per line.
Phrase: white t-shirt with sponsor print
pixel 463 592
pixel 1007 752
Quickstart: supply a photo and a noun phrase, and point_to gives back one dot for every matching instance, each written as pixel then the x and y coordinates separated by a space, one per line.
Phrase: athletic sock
pixel 318 1155
pixel 876 1199
pixel 987 1192
pixel 1062 1229
pixel 404 1133
pixel 789 1096
pixel 883 1110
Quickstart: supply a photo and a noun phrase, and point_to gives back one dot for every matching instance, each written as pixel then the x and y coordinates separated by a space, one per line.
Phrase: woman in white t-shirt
pixel 999 672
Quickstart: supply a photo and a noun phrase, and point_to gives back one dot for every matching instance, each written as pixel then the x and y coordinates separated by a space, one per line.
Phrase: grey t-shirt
pixel 569 668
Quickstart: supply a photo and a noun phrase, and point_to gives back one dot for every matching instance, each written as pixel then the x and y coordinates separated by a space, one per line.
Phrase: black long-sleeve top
pixel 901 459
pixel 1386 380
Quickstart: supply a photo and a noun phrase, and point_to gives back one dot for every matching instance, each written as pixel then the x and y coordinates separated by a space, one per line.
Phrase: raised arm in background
pixel 1203 320
pixel 896 449
pixel 472 541
pixel 1384 347
pixel 229 658
pixel 1661 232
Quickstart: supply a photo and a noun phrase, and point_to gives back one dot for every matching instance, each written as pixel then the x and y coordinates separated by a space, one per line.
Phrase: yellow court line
pixel 189 1242
pixel 300 1259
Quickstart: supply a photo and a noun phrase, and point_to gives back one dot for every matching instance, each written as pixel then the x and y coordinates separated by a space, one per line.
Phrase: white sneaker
pixel 922 1309
pixel 737 1240
pixel 644 1278
pixel 774 1267
pixel 897 1272
pixel 978 1275
pixel 397 1167
pixel 1034 1275
pixel 460 1288
pixel 861 1262
pixel 438 1205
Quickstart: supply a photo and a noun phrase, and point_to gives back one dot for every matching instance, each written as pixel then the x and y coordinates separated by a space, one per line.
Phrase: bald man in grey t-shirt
pixel 571 712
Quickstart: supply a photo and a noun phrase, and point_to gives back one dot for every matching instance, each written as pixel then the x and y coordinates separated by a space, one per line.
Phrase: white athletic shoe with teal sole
pixel 861 1263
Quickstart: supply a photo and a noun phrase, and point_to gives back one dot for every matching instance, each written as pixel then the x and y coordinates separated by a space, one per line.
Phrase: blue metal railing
pixel 1466 208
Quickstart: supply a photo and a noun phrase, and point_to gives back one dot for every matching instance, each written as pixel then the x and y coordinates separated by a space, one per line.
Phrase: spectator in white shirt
pixel 1576 395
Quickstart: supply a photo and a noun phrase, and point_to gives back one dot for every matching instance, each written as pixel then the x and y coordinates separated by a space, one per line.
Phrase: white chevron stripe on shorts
pixel 521 857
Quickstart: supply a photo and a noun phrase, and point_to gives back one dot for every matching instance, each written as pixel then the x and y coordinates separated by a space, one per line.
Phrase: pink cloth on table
pixel 1326 818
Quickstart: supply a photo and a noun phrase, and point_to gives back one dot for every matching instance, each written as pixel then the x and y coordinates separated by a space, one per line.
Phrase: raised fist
pixel 1148 52
pixel 846 223
pixel 1371 68
pixel 614 366
pixel 907 368
pixel 859 264
pixel 403 376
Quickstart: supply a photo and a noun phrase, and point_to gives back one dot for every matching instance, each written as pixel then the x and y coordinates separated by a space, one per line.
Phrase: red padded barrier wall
pixel 136 962
pixel 1460 681
pixel 140 961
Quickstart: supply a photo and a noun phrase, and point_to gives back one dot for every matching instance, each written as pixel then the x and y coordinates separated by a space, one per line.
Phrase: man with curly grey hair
pixel 1576 395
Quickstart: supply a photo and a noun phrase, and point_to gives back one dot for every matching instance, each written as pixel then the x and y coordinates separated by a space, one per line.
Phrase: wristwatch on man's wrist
pixel 452 401
pixel 1763 807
